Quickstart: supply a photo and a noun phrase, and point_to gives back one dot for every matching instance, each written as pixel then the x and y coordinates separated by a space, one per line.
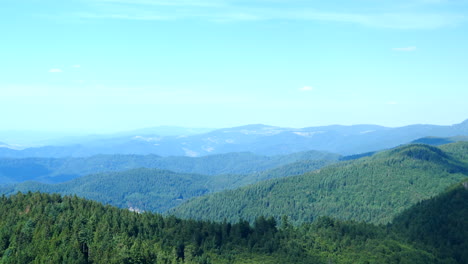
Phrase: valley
pixel 240 207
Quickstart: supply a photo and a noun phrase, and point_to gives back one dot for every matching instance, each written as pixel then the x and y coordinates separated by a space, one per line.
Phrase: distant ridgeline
pixel 55 170
pixel 43 228
pixel 373 189
pixel 159 190
pixel 437 141
pixel 258 139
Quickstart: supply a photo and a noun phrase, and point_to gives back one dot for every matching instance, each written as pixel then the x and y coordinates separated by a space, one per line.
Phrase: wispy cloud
pixel 205 3
pixel 76 66
pixel 55 70
pixel 144 16
pixel 405 49
pixel 230 10
pixel 306 89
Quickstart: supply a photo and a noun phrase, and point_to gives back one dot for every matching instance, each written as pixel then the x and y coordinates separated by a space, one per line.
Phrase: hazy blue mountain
pixel 167 131
pixel 25 139
pixel 258 139
pixel 33 138
pixel 53 170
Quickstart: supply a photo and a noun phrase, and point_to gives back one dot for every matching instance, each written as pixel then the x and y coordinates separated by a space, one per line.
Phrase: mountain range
pixel 380 204
pixel 258 139
pixel 152 189
pixel 55 170
pixel 372 188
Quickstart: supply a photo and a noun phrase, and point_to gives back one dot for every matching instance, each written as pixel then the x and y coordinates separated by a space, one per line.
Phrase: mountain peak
pixel 253 129
pixel 464 123
pixel 255 126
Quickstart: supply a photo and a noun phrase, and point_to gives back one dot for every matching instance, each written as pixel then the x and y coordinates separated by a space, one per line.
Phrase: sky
pixel 115 65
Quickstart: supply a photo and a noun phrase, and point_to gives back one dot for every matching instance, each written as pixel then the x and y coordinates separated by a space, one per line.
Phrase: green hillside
pixel 371 189
pixel 42 228
pixel 144 189
pixel 292 169
pixel 159 190
pixel 441 224
pixel 458 150
pixel 437 141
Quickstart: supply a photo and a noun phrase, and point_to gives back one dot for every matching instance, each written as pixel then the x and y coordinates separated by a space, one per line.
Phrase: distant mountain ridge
pixel 258 139
pixel 25 139
pixel 437 141
pixel 55 170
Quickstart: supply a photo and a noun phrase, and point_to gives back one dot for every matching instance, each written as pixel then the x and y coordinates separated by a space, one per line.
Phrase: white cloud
pixel 55 70
pixel 76 66
pixel 411 48
pixel 306 88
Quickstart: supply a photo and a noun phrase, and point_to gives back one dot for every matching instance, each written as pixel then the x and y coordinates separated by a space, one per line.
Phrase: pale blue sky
pixel 111 65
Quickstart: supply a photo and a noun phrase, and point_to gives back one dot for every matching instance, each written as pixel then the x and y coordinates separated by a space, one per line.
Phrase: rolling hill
pixel 372 189
pixel 159 190
pixel 55 170
pixel 441 224
pixel 42 228
pixel 142 189
pixel 437 141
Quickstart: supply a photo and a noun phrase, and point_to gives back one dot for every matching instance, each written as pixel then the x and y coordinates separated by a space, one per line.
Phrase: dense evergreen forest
pixel 458 150
pixel 441 224
pixel 372 189
pixel 159 190
pixel 325 216
pixel 44 228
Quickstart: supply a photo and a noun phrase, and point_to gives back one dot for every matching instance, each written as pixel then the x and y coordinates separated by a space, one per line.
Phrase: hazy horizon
pixel 117 132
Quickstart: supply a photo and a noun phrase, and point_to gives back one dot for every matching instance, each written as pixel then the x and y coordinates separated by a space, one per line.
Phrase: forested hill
pixel 372 189
pixel 51 170
pixel 141 189
pixel 437 141
pixel 458 150
pixel 441 224
pixel 42 228
pixel 158 190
